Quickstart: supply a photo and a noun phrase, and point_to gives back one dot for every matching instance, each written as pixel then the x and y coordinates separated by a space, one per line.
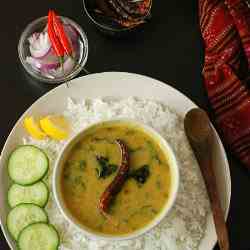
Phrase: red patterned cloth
pixel 225 27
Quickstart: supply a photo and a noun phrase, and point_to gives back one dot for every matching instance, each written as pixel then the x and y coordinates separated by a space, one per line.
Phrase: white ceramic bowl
pixel 174 171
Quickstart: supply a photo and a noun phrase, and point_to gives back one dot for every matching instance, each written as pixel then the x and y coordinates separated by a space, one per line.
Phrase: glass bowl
pixel 37 26
pixel 110 27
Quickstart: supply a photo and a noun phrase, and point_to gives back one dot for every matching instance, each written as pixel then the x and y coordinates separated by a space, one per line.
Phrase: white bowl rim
pixel 167 207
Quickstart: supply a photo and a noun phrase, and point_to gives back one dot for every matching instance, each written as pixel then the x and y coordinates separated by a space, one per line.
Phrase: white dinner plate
pixel 119 85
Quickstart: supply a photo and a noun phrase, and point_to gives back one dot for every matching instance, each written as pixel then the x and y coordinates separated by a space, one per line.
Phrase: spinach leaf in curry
pixel 105 169
pixel 141 174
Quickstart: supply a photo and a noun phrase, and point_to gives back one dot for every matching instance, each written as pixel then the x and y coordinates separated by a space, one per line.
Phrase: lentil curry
pixel 94 162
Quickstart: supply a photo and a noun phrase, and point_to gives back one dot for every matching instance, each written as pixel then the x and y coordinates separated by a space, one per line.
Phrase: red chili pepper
pixel 56 45
pixel 58 26
pixel 115 186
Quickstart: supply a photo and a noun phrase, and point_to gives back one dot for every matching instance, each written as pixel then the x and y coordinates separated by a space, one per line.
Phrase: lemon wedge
pixel 55 126
pixel 32 127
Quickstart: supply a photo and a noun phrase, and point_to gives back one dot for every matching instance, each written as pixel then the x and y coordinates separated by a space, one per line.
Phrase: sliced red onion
pixel 50 60
pixel 71 32
pixel 68 66
pixel 43 57
pixel 33 37
pixel 39 45
pixel 40 65
pixel 50 66
pixel 33 62
pixel 50 57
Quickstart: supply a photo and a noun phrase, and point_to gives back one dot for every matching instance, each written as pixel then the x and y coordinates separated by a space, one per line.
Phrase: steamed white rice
pixel 184 227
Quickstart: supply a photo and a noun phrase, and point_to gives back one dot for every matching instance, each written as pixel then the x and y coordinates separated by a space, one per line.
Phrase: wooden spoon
pixel 199 133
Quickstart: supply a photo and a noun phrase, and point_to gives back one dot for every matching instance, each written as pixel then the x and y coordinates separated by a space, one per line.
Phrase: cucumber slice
pixel 37 194
pixel 38 236
pixel 27 165
pixel 24 215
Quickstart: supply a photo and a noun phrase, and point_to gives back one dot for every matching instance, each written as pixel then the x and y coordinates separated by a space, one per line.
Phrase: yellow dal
pixel 137 204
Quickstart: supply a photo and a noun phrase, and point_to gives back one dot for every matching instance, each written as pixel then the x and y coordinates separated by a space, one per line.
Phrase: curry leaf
pixel 141 174
pixel 105 169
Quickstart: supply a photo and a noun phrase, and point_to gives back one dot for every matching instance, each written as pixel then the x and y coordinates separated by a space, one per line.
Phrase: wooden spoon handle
pixel 200 135
pixel 210 181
